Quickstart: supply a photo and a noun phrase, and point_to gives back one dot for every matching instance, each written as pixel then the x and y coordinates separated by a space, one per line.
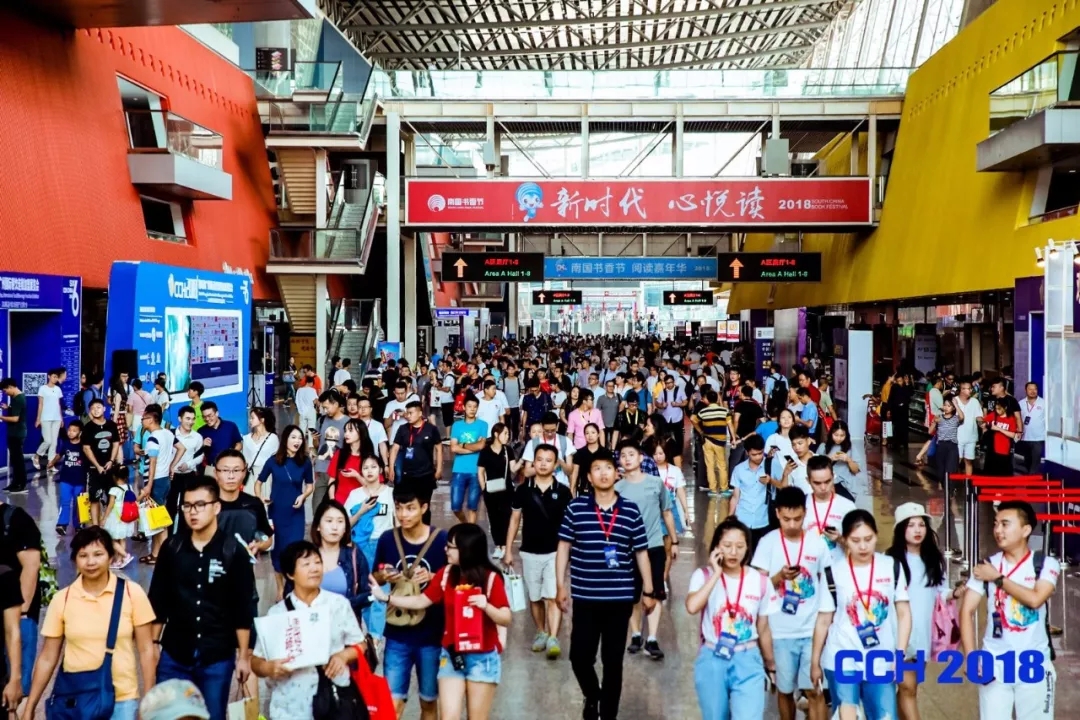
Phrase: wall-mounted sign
pixel 556 297
pixel 492 267
pixel 452 312
pixel 689 297
pixel 769 267
pixel 630 268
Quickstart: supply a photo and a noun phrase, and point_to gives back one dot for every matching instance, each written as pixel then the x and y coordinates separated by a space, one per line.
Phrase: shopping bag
pixel 300 636
pixel 245 708
pixel 944 627
pixel 886 429
pixel 84 508
pixel 145 525
pixel 515 591
pixel 375 691
pixel 468 620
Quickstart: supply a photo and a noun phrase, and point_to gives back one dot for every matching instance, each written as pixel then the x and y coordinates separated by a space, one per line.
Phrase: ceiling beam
pixel 614 47
pixel 768 6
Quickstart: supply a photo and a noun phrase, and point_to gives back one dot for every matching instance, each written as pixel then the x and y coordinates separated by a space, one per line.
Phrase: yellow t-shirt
pixel 82 621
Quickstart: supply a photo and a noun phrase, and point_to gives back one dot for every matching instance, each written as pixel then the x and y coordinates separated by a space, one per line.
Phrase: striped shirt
pixel 947 428
pixel 590 576
pixel 714 421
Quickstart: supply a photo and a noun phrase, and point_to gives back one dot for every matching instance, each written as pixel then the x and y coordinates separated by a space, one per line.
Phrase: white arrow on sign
pixel 541 297
pixel 672 296
pixel 461 265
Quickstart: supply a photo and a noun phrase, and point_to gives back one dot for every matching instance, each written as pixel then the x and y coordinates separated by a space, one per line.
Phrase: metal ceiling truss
pixel 583 34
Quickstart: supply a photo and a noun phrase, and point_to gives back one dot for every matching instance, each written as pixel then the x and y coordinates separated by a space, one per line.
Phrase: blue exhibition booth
pixel 40 330
pixel 191 325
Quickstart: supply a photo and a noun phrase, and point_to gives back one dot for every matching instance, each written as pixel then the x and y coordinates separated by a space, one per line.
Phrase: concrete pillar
pixel 393 226
pixel 854 153
pixel 409 241
pixel 677 148
pixel 322 177
pixel 871 148
pixel 584 146
pixel 322 315
pixel 512 292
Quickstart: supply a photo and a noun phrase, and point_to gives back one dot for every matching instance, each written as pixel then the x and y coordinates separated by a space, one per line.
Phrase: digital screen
pixel 204 346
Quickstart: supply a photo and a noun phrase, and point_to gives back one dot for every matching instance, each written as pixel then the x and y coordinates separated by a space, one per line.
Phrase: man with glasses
pixel 204 633
pixel 241 514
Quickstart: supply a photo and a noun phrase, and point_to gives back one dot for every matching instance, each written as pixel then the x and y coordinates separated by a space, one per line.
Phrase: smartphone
pixel 789 458
pixel 830 528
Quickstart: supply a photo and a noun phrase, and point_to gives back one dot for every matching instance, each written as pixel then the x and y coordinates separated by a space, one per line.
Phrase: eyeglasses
pixel 196 506
pixel 231 471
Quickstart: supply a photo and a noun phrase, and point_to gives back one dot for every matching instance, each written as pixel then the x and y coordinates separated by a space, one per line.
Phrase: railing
pixel 371 342
pixel 368 227
pixel 342 245
pixel 641 84
pixel 354 316
pixel 163 130
pixel 441 156
pixel 1052 82
pixel 338 116
pixel 166 237
pixel 368 106
pixel 304 77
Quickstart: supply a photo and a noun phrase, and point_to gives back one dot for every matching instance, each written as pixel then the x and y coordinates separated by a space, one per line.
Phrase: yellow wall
pixel 945 228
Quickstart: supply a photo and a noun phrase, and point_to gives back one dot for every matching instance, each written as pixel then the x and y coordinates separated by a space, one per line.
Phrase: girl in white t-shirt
pixel 915 548
pixel 371 513
pixel 864 607
pixel 736 652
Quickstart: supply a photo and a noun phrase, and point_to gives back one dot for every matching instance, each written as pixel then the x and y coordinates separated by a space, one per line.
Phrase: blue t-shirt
pixel 428 632
pixel 753 507
pixel 768 428
pixel 224 436
pixel 72 464
pixel 810 412
pixel 466 433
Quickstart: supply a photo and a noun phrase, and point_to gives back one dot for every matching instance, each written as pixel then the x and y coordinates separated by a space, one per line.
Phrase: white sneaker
pixel 498 554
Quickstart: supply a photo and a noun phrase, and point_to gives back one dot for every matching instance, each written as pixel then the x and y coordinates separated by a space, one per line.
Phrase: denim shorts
pixel 464 491
pixel 479 667
pixel 793 664
pixel 159 491
pixel 400 658
pixel 878 701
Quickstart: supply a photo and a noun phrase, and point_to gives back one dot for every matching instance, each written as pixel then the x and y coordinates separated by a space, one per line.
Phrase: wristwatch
pixel 674 542
pixel 647 594
pixel 999 581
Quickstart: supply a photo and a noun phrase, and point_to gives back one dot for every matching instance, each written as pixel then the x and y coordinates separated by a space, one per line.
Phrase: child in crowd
pixel 120 530
pixel 72 479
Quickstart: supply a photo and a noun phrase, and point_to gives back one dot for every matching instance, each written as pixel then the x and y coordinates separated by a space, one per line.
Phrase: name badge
pixel 1027 420
pixel 611 556
pixel 790 604
pixel 868 635
pixel 995 624
pixel 409 452
pixel 725 646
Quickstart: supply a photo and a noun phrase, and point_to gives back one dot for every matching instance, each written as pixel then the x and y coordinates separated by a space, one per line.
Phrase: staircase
pixel 298 296
pixel 296 167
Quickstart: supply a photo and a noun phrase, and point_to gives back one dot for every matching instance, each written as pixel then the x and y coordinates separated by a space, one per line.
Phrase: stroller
pixel 874 424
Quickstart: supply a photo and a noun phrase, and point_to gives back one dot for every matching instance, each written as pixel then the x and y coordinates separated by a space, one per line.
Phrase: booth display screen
pixel 203 345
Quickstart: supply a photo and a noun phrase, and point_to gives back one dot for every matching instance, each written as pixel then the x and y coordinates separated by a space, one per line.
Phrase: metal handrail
pixel 369 118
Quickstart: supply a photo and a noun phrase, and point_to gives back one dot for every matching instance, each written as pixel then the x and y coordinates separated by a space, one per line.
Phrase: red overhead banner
pixel 632 202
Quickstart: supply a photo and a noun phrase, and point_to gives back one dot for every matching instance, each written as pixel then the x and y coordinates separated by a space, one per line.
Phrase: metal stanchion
pixel 948 518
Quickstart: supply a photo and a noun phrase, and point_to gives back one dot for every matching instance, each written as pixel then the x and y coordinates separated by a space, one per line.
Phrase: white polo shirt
pixel 1033 415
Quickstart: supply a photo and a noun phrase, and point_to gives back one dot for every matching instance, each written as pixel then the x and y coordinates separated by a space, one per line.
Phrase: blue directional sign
pixel 451 312
pixel 630 268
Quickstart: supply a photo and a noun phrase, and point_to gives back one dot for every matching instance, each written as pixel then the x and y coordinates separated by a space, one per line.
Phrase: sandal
pixel 148 560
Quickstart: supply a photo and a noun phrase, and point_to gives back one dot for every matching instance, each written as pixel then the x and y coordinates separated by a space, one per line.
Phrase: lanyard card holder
pixel 725 646
pixel 611 556
pixel 868 635
pixel 790 604
pixel 996 626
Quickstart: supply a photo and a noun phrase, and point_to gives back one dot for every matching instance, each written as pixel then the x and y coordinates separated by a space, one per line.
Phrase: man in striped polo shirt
pixel 601 539
pixel 711 422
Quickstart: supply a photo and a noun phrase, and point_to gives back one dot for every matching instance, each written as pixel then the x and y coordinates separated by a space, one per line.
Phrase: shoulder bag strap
pixel 830 582
pixel 355 579
pixel 406 569
pixel 289 604
pixel 423 550
pixel 114 621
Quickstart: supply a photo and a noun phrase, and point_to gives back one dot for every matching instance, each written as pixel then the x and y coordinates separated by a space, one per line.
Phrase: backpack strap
pixel 897 568
pixel 830 583
pixel 289 603
pixel 420 555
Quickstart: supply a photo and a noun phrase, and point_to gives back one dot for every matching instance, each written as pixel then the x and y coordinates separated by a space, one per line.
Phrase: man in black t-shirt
pixel 241 514
pixel 11 602
pixel 101 443
pixel 420 446
pixel 1012 407
pixel 747 416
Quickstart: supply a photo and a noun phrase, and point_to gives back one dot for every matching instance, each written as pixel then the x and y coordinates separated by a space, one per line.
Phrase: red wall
pixel 447 294
pixel 67 204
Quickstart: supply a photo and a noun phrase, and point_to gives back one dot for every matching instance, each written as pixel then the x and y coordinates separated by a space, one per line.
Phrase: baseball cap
pixel 910 510
pixel 173 700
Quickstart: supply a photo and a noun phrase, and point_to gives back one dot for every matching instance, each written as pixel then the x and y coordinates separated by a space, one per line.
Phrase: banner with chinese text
pixel 766 202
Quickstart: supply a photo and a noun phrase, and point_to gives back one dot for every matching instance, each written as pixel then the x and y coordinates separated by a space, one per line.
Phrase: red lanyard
pixel 600 519
pixel 728 605
pixel 412 435
pixel 869 585
pixel 1009 574
pixel 817 520
pixel 798 560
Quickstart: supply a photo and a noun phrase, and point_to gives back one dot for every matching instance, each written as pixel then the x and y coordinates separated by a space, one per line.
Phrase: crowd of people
pixel 583 452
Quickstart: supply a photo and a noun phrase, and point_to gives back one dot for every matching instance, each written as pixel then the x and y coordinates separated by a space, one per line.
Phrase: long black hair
pixel 474 564
pixel 845 447
pixel 928 551
pixel 283 447
pixel 733 523
pixel 345 450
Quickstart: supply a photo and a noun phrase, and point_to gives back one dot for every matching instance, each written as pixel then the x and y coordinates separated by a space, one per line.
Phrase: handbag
pixel 337 702
pixel 129 511
pixel 515 590
pixel 89 694
pixel 944 628
pixel 245 708
pixel 375 691
pixel 499 484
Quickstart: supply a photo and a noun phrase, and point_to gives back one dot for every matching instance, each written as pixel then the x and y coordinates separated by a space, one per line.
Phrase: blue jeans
pixel 69 495
pixel 479 667
pixel 398 662
pixel 125 710
pixel 28 630
pixel 726 684
pixel 374 614
pixel 213 680
pixel 878 701
pixel 464 491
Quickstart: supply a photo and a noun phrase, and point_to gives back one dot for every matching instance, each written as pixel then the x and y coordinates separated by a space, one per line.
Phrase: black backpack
pixel 1037 560
pixel 778 397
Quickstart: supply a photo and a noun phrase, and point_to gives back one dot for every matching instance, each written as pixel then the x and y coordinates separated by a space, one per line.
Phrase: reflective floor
pixel 665 689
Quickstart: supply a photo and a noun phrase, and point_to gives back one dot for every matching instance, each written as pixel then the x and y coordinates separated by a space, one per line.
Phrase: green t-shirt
pixel 17 408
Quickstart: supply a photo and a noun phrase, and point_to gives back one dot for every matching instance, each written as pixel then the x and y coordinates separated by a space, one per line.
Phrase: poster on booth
pixel 190 325
pixel 389 351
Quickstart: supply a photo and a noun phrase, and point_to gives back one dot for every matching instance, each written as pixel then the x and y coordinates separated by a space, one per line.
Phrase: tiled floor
pixel 665 690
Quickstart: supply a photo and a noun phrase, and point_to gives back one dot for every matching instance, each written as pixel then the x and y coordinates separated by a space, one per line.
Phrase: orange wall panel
pixel 67 204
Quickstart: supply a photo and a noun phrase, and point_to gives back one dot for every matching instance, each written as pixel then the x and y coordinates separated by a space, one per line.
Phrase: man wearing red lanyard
pixel 601 541
pixel 794 559
pixel 420 447
pixel 825 510
pixel 1018 584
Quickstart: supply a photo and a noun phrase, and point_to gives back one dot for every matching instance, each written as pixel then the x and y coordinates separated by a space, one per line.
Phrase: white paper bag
pixel 515 591
pixel 302 637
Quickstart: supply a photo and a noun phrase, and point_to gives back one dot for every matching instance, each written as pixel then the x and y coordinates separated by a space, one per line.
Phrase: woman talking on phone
pixel 864 607
pixel 736 652
pixel 292 481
